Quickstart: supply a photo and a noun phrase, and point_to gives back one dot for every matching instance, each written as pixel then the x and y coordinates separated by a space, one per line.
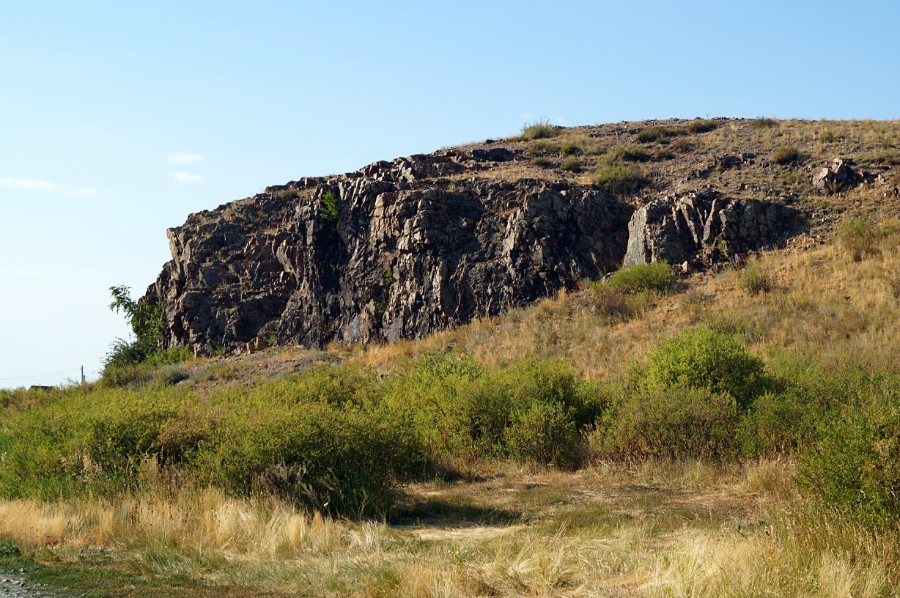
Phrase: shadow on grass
pixel 438 512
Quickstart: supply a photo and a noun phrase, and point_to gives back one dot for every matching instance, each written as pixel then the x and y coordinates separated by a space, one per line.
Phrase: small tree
pixel 147 321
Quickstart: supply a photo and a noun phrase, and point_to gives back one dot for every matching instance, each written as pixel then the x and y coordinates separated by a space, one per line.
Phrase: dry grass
pixel 823 301
pixel 658 529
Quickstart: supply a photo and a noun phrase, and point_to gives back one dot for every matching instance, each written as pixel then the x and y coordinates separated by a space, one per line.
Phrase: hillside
pixel 725 425
pixel 404 248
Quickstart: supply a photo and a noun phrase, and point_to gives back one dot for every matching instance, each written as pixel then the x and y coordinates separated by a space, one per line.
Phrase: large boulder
pixel 838 176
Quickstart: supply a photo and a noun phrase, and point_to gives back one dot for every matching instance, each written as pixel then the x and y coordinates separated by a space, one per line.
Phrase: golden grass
pixel 657 529
pixel 824 301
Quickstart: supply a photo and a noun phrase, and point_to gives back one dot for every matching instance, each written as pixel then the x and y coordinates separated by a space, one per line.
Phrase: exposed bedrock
pixel 396 251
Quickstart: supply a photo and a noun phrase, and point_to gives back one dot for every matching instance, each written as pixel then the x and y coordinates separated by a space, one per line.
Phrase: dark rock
pixel 701 228
pixel 396 263
pixel 401 249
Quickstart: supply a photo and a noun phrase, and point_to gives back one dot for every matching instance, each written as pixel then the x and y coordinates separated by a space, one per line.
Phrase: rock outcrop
pixel 404 248
pixel 838 176
pixel 400 259
pixel 701 228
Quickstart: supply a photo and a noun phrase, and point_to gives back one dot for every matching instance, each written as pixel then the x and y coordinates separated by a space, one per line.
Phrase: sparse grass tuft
pixel 658 134
pixel 657 277
pixel 787 154
pixel 702 126
pixel 862 237
pixel 571 164
pixel 764 123
pixel 540 129
pixel 754 279
pixel 620 180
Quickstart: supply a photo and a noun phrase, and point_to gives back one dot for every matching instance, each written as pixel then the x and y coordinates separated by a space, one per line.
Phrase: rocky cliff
pixel 400 249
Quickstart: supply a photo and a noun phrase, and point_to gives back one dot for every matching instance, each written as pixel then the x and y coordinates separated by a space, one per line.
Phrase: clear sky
pixel 118 119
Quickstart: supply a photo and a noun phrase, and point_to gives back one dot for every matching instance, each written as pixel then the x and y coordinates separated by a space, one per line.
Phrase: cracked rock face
pixel 395 250
pixel 701 228
pixel 402 259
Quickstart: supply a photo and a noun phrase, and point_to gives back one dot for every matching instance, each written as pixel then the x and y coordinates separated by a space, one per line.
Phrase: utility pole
pixel 82 375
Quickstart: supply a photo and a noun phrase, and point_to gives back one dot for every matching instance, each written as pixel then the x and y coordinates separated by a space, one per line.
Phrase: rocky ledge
pixel 401 249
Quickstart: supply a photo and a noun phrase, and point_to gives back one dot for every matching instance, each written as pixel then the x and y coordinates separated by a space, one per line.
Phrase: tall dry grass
pixel 656 529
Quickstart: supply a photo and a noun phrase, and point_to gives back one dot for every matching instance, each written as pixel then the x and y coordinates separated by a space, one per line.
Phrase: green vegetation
pixel 754 280
pixel 827 136
pixel 764 123
pixel 656 277
pixel 571 165
pixel 625 153
pixel 786 154
pixel 855 465
pixel 862 236
pixel 884 156
pixel 130 359
pixel 702 126
pixel 658 134
pixel 540 129
pixel 620 180
pixel 329 207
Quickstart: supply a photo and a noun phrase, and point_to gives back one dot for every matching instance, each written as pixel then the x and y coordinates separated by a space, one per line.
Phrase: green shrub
pixel 787 154
pixel 345 462
pixel 827 136
pixel 658 134
pixel 464 412
pixel 542 162
pixel 540 129
pixel 571 165
pixel 657 277
pixel 778 423
pixel 674 422
pixel 754 280
pixel 124 353
pixel 329 207
pixel 683 145
pixel 544 147
pixel 763 123
pixel 855 464
pixel 704 358
pixel 572 148
pixel 625 153
pixel 545 433
pixel 862 237
pixel 886 156
pixel 702 126
pixel 324 439
pixel 620 180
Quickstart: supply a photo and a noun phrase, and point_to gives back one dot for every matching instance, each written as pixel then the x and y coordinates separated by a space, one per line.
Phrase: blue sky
pixel 118 119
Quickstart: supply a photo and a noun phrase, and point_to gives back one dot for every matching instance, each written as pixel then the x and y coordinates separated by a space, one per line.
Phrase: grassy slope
pixel 609 529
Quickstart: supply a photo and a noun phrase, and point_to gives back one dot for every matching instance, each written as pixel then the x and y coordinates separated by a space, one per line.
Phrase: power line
pixel 39 375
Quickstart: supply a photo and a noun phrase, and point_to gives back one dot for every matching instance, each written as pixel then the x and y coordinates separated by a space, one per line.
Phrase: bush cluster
pixel 341 440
